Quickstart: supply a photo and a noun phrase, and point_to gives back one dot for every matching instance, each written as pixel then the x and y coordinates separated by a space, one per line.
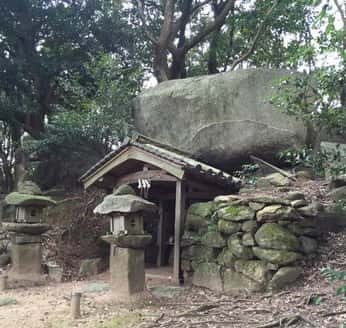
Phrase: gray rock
pixel 195 223
pixel 299 203
pixel 308 245
pixel 198 253
pixel 208 275
pixel 338 181
pixel 256 206
pixel 255 270
pixel 295 195
pixel 89 267
pixel 274 179
pixel 285 276
pixel 235 283
pixel 274 236
pixel 313 209
pixel 4 259
pixel 337 193
pixel 276 256
pixel 276 212
pixel 232 116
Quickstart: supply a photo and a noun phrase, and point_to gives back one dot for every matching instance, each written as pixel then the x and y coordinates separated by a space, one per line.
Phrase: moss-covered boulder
pixel 190 238
pixel 274 236
pixel 238 250
pixel 276 212
pixel 208 275
pixel 295 228
pixel 226 258
pixel 213 239
pixel 196 223
pixel 228 227
pixel 198 253
pixel 312 210
pixel 256 270
pixel 274 179
pixel 236 213
pixel 249 226
pixel 235 283
pixel 285 276
pixel 203 210
pixel 247 239
pixel 276 256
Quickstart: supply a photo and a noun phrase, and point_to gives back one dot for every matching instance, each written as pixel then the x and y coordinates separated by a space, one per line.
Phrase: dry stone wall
pixel 237 243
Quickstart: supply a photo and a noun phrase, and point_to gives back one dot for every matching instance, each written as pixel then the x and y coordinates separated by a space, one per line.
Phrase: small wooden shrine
pixel 166 176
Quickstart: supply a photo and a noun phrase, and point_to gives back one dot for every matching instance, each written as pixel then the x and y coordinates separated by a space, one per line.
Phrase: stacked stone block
pixel 255 243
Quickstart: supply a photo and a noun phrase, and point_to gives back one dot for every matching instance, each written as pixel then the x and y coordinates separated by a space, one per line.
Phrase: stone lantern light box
pixel 133 225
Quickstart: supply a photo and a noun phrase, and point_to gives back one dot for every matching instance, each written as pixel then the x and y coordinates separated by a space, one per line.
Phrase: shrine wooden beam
pixel 152 175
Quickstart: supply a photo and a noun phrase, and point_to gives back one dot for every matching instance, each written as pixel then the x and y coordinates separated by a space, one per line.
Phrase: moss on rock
pixel 236 213
pixel 276 256
pixel 274 236
pixel 228 227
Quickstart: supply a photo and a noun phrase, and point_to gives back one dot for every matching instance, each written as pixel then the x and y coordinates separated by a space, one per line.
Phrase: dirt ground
pixel 166 305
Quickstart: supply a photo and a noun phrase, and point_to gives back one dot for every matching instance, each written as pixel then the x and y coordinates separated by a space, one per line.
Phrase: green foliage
pixel 83 131
pixel 315 299
pixel 334 275
pixel 246 173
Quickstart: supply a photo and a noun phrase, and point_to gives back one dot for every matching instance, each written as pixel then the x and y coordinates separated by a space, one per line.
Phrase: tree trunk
pixel 177 70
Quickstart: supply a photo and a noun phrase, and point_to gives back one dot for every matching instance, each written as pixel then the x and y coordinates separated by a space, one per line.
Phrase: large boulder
pixel 220 118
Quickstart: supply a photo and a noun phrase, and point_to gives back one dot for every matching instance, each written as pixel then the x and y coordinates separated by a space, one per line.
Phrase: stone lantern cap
pixel 124 204
pixel 28 194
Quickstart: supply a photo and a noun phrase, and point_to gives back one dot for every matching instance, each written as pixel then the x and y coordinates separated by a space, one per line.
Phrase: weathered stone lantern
pixel 26 230
pixel 127 242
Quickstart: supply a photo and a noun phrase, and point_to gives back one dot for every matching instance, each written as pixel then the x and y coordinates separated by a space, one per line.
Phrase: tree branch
pixel 341 11
pixel 217 23
pixel 142 17
pixel 256 38
pixel 166 29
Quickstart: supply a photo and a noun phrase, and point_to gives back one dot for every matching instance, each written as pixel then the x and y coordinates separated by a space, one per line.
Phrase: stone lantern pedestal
pixel 127 243
pixel 26 250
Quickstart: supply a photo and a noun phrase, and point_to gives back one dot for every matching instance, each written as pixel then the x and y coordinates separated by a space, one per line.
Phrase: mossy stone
pixel 274 236
pixel 213 239
pixel 203 210
pixel 239 250
pixel 249 226
pixel 276 256
pixel 198 253
pixel 228 227
pixel 285 276
pixel 226 258
pixel 236 213
pixel 256 270
pixel 208 275
pixel 196 223
pixel 235 283
pixel 248 239
pixel 190 238
pixel 124 190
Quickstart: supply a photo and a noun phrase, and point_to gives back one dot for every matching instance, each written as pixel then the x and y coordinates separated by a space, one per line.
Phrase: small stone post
pixel 3 282
pixel 75 305
pixel 127 243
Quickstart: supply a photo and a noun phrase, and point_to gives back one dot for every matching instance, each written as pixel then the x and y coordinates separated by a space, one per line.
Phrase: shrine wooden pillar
pixel 178 226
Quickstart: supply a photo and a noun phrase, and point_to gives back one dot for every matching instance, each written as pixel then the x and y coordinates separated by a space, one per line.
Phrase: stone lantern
pixel 127 242
pixel 25 231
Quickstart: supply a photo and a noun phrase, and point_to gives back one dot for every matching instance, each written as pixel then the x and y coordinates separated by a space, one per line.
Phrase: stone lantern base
pixel 126 265
pixel 26 257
